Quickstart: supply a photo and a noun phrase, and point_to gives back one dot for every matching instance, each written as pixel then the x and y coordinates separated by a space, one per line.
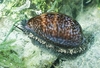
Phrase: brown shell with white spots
pixel 59 29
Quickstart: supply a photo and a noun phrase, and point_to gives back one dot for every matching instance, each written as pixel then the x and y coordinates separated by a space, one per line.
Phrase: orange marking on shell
pixel 57 28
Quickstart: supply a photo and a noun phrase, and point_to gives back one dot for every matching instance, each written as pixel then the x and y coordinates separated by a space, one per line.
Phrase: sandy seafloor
pixel 35 57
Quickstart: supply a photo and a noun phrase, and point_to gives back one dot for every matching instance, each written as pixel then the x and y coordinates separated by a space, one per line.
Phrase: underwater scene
pixel 49 33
